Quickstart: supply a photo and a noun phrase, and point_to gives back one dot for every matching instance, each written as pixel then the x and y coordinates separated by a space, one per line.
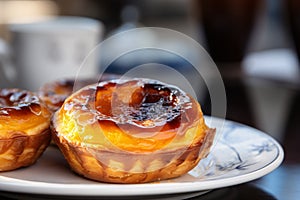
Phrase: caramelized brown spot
pixel 143 104
pixel 18 102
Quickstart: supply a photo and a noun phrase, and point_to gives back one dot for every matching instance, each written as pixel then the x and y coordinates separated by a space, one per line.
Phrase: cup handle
pixel 7 69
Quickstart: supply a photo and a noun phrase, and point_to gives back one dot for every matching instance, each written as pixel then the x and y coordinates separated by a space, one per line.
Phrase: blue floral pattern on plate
pixel 238 150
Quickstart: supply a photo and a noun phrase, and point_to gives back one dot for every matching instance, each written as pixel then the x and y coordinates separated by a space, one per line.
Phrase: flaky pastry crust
pixel 132 168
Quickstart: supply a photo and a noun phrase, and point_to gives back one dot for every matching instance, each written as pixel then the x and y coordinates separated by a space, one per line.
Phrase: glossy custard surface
pixel 21 111
pixel 138 115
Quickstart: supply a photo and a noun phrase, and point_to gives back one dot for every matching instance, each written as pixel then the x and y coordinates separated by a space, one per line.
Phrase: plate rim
pixel 8 184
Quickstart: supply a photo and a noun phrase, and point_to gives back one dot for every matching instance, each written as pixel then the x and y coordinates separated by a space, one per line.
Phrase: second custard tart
pixel 131 131
pixel 24 128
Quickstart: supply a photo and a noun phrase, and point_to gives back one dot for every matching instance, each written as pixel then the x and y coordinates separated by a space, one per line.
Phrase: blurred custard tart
pixel 24 128
pixel 131 131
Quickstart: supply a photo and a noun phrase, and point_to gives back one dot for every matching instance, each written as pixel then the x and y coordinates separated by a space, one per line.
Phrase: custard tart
pixel 24 128
pixel 131 131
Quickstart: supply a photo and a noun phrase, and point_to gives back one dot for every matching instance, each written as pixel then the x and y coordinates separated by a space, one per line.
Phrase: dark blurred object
pixel 292 137
pixel 293 15
pixel 238 102
pixel 227 26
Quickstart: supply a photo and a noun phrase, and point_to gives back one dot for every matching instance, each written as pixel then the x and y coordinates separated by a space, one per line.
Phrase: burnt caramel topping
pixel 14 100
pixel 139 103
pixel 144 103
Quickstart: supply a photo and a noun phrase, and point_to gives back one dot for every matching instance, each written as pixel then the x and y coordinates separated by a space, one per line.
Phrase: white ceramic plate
pixel 240 154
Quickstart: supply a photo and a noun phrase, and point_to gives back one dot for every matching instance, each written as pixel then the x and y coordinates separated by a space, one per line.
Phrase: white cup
pixel 52 49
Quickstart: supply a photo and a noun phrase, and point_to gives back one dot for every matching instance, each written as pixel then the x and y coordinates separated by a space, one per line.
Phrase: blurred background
pixel 254 43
